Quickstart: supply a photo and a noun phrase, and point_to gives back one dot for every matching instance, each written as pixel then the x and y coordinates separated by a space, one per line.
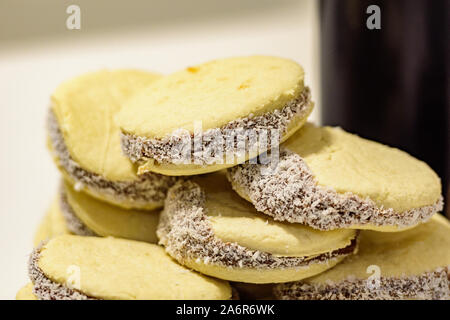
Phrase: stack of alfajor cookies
pixel 209 184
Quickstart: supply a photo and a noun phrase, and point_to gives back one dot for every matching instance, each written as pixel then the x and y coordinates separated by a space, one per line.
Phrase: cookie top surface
pixel 85 108
pixel 409 253
pixel 109 220
pixel 347 163
pixel 26 293
pixel 52 225
pixel 124 269
pixel 214 93
pixel 236 220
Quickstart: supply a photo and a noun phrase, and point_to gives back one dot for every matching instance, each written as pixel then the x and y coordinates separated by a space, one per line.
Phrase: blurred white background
pixel 37 52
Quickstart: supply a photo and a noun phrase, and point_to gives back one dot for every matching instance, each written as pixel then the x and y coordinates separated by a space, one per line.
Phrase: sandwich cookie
pixel 26 293
pixel 413 264
pixel 84 268
pixel 84 139
pixel 207 227
pixel 214 115
pixel 52 225
pixel 87 216
pixel 44 231
pixel 327 179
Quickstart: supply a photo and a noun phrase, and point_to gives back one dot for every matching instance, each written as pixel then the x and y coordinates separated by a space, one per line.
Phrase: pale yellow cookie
pixel 44 231
pixel 204 101
pixel 328 178
pixel 86 215
pixel 84 138
pixel 26 293
pixel 209 228
pixel 74 267
pixel 412 264
pixel 52 225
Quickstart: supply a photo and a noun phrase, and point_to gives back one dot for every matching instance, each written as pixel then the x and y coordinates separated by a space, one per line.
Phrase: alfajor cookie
pixel 88 216
pixel 214 115
pixel 327 178
pixel 44 231
pixel 412 264
pixel 26 293
pixel 207 227
pixel 84 268
pixel 52 225
pixel 84 139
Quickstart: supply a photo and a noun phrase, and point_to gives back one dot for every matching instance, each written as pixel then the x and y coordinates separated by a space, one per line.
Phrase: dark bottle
pixel 390 84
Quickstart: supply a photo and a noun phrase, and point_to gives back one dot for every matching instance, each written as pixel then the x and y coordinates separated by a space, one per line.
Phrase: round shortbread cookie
pixel 73 267
pixel 186 123
pixel 414 264
pixel 26 293
pixel 89 216
pixel 209 228
pixel 44 231
pixel 327 178
pixel 84 138
pixel 77 213
pixel 53 224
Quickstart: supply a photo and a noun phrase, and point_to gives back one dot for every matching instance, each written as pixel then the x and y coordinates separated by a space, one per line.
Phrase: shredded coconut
pixel 290 193
pixel 171 149
pixel 430 285
pixel 46 289
pixel 185 231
